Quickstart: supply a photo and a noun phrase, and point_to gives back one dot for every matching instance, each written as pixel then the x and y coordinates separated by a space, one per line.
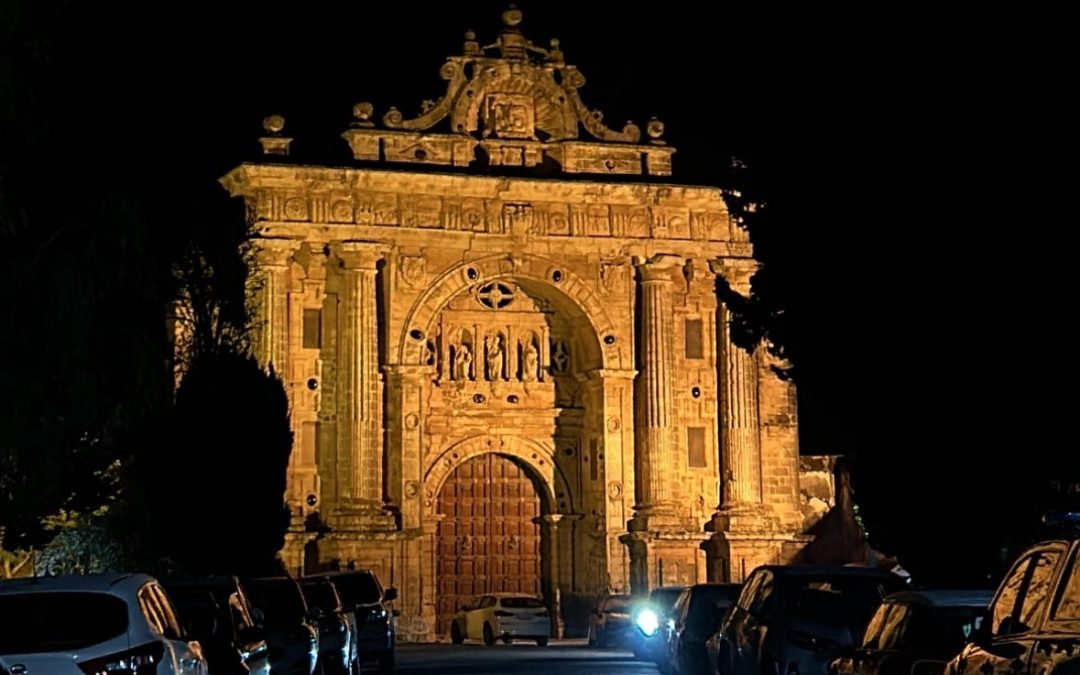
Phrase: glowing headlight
pixel 648 622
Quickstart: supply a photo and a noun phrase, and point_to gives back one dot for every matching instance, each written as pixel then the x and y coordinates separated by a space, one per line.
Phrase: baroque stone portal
pixel 507 382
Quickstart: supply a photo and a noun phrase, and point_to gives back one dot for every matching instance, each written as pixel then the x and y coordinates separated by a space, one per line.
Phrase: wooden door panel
pixel 487 542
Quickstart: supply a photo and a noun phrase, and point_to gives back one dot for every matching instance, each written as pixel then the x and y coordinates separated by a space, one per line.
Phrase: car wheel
pixel 489 635
pixel 455 634
pixel 542 641
pixel 386 663
pixel 507 639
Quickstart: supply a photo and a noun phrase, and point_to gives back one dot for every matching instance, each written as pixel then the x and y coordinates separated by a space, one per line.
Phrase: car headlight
pixel 648 622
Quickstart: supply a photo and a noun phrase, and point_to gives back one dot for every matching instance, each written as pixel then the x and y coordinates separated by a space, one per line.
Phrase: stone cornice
pixel 519 207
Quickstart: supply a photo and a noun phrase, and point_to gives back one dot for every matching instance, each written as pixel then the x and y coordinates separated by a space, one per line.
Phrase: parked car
pixel 503 616
pixel 362 594
pixel 651 618
pixel 216 612
pixel 337 628
pixel 611 622
pixel 94 623
pixel 915 633
pixel 290 629
pixel 794 620
pixel 1033 623
pixel 696 616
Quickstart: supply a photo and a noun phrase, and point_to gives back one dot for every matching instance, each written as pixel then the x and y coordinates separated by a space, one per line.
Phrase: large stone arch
pixel 539 459
pixel 554 282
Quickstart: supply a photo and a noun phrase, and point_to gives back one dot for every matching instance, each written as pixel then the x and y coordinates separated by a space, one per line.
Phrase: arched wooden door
pixel 487 541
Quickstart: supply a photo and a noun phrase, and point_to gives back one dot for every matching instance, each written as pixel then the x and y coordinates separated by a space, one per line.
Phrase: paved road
pixel 558 658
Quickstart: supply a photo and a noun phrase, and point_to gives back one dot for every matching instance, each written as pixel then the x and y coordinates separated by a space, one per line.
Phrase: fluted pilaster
pixel 359 458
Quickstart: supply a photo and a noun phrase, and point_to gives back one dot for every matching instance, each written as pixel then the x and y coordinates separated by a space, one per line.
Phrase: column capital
pixel 736 272
pixel 274 251
pixel 406 371
pixel 611 374
pixel 363 255
pixel 657 268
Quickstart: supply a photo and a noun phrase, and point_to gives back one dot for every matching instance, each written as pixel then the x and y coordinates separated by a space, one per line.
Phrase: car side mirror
pixel 981 633
pixel 251 634
pixel 390 594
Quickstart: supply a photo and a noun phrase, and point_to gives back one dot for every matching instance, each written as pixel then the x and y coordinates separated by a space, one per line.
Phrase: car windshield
pixel 839 601
pixel 522 603
pixel 59 622
pixel 708 604
pixel 280 599
pixel 939 629
pixel 360 588
pixel 320 594
pixel 664 598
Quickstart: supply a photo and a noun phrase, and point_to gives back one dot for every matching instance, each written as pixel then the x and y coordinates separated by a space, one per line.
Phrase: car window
pixel 1037 590
pixel 150 610
pixel 895 624
pixel 168 614
pixel 1001 613
pixel 763 594
pixel 57 621
pixel 524 602
pixel 678 611
pixel 1068 606
pixel 749 591
pixel 486 601
pixel 877 623
pixel 939 629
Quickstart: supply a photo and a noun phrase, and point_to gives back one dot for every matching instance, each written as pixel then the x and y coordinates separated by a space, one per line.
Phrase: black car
pixel 696 616
pixel 1033 623
pixel 651 618
pixel 361 593
pixel 338 654
pixel 916 633
pixel 794 620
pixel 216 612
pixel 290 629
pixel 612 622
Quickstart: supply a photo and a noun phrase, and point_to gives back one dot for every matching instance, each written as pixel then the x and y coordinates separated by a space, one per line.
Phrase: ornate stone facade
pixel 437 306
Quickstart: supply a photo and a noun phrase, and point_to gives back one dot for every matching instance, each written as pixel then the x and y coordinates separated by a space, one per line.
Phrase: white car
pixel 503 616
pixel 97 624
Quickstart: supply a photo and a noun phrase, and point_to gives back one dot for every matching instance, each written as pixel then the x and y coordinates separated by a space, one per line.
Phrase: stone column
pixel 740 430
pixel 271 343
pixel 552 573
pixel 359 459
pixel 655 431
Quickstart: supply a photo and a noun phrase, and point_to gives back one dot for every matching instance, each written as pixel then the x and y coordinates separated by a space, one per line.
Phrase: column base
pixel 745 536
pixel 362 517
pixel 744 518
pixel 664 517
pixel 665 559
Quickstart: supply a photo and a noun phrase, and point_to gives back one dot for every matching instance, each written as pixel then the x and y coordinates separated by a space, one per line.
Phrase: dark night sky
pixel 911 160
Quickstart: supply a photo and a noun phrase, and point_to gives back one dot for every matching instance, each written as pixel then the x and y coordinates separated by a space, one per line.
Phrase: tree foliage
pixel 216 483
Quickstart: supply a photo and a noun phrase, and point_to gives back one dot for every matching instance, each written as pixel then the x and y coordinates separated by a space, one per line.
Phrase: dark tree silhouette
pixel 215 485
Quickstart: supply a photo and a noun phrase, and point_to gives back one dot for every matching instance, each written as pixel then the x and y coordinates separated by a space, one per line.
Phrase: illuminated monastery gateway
pixel 506 360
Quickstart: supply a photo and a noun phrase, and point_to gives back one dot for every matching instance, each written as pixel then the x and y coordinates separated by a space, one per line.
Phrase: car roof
pixel 944 598
pixel 114 584
pixel 829 570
